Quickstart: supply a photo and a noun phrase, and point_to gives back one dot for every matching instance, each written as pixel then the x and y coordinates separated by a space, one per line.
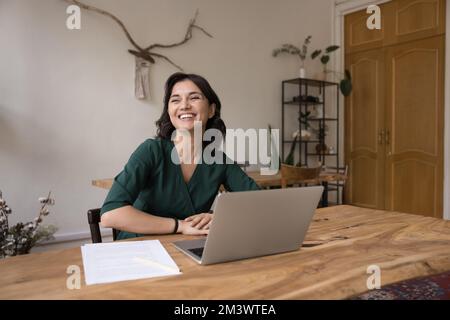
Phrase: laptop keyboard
pixel 197 251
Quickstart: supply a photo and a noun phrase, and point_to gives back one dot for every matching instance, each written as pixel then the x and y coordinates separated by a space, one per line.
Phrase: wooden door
pixel 414 120
pixel 398 96
pixel 364 125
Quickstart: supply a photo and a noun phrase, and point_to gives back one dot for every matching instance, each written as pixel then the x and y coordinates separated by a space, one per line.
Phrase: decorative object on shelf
pixel 303 119
pixel 301 53
pixel 324 58
pixel 306 98
pixel 20 238
pixel 317 111
pixel 321 147
pixel 144 53
pixel 330 150
pixel 305 134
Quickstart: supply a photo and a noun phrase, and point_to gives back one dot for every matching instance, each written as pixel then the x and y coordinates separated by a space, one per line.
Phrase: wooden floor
pixel 341 243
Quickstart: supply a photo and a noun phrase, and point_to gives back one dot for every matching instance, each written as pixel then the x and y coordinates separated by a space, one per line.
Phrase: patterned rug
pixel 435 287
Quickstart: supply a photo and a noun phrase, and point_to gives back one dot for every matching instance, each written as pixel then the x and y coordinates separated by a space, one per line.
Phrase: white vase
pixel 302 73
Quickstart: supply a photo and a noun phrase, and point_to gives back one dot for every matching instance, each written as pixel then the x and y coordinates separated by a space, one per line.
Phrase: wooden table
pixel 263 181
pixel 341 243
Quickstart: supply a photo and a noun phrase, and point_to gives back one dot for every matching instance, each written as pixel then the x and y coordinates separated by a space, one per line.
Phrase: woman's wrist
pixel 180 226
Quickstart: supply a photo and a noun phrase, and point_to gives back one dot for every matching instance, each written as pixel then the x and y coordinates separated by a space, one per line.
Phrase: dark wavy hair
pixel 165 126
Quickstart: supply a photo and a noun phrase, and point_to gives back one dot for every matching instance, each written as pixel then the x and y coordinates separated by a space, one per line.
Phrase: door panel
pixel 414 114
pixel 358 37
pixel 401 21
pixel 364 124
pixel 415 19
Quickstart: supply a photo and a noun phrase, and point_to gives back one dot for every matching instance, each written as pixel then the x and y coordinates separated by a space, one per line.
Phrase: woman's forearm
pixel 131 219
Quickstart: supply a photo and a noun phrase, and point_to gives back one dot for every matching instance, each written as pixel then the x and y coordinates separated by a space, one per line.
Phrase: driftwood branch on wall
pixel 144 55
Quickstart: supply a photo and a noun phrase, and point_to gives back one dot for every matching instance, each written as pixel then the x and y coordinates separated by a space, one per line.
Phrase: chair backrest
pixel 294 174
pixel 94 218
pixel 343 171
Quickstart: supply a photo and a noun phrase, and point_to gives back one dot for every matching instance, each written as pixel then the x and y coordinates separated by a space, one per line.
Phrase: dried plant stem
pixel 146 53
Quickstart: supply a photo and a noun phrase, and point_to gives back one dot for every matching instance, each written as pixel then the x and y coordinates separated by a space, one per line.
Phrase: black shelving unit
pixel 316 88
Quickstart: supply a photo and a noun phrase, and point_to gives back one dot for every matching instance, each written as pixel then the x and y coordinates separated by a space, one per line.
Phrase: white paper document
pixel 119 261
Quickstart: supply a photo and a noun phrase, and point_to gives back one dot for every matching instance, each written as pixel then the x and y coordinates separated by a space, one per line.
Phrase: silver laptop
pixel 255 223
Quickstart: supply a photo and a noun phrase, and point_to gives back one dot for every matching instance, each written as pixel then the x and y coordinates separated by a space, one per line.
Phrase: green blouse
pixel 152 183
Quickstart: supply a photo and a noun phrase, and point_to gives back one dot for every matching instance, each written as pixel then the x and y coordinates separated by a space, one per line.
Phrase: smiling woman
pixel 155 195
pixel 189 94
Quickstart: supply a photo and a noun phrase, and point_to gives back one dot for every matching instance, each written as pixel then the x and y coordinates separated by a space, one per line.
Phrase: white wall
pixel 67 110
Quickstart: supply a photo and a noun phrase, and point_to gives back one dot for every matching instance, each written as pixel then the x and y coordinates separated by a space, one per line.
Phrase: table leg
pixel 325 194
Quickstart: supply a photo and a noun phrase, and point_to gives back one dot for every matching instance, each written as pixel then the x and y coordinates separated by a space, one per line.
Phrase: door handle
pixel 388 141
pixel 381 136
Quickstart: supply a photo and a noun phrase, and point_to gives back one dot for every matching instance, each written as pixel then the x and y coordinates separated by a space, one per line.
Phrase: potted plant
pixel 345 84
pixel 20 238
pixel 294 50
pixel 324 57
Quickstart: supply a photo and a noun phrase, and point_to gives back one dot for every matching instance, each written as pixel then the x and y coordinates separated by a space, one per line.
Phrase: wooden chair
pixel 299 175
pixel 93 216
pixel 343 171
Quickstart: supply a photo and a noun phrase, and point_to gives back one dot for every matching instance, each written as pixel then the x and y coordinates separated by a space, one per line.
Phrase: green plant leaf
pixel 346 87
pixel 315 54
pixel 331 49
pixel 290 157
pixel 324 59
pixel 305 115
pixel 307 40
